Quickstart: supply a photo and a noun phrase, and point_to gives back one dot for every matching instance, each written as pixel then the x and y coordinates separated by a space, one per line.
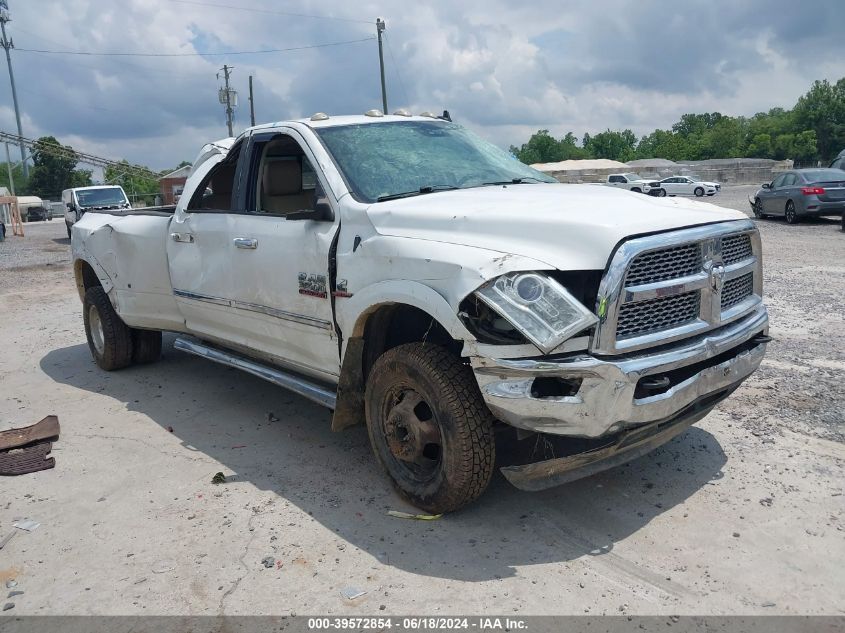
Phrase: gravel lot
pixel 741 514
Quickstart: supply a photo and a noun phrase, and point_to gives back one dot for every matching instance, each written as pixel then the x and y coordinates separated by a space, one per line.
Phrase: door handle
pixel 246 242
pixel 182 237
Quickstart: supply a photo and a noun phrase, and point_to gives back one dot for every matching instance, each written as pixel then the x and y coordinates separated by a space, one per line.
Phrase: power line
pixel 195 54
pixel 81 157
pixel 398 74
pixel 272 12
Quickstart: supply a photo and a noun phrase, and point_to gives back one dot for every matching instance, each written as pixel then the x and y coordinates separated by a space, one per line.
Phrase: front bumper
pixel 612 397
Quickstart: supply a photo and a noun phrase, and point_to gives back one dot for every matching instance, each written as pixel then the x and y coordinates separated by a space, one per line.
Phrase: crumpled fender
pixel 351 317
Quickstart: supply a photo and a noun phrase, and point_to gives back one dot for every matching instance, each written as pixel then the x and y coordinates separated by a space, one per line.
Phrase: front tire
pixel 758 209
pixel 698 192
pixel 429 426
pixel 109 338
pixel 789 213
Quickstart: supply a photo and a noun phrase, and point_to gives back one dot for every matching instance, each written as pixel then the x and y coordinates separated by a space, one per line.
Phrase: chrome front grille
pixel 671 263
pixel 736 248
pixel 669 286
pixel 654 315
pixel 737 290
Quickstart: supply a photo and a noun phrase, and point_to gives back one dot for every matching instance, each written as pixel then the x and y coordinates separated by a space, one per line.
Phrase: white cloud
pixel 504 69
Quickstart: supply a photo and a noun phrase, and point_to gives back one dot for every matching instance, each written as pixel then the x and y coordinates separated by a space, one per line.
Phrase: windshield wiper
pixel 512 181
pixel 420 191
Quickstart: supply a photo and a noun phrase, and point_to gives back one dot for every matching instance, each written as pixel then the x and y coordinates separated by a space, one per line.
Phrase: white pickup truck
pixel 79 200
pixel 414 278
pixel 636 183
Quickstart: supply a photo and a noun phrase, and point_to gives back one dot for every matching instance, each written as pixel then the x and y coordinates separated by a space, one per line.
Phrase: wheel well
pixel 85 276
pixel 396 324
pixel 383 328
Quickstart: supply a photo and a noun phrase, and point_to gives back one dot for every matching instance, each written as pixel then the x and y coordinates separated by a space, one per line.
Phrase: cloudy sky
pixel 501 67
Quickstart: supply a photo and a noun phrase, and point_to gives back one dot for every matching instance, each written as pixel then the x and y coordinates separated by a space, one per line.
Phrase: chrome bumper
pixel 606 401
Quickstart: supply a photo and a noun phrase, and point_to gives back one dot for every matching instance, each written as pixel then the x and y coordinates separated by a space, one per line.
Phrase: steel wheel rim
pixel 411 434
pixel 95 325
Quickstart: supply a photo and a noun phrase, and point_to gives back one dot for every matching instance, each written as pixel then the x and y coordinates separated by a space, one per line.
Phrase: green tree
pixel 53 169
pixel 542 147
pixel 822 109
pixel 140 187
pixel 613 145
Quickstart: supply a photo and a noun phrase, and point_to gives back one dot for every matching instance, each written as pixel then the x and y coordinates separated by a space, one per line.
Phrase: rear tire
pixel 429 426
pixel 789 213
pixel 146 346
pixel 109 338
pixel 698 192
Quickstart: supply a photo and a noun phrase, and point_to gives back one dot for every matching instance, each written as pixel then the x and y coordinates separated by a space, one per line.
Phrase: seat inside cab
pixel 287 179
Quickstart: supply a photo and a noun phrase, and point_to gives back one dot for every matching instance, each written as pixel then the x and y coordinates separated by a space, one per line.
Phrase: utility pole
pixel 251 104
pixel 379 30
pixel 227 98
pixel 7 44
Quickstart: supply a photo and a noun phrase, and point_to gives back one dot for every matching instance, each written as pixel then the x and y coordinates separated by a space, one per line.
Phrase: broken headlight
pixel 538 306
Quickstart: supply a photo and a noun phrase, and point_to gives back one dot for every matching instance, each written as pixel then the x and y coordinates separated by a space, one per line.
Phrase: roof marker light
pixel 375 113
pixel 319 116
pixel 401 112
pixel 428 114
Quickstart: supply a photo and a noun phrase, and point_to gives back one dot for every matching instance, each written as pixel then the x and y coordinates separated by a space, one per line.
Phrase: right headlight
pixel 538 306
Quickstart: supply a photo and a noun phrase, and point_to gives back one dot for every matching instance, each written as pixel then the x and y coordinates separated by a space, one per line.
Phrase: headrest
pixel 223 179
pixel 282 178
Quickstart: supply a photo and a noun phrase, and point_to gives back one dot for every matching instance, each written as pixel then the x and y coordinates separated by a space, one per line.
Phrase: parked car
pixel 100 197
pixel 839 161
pixel 37 214
pixel 414 278
pixel 801 193
pixel 634 182
pixel 684 186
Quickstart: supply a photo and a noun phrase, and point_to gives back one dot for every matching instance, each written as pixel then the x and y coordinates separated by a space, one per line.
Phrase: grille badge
pixel 717 278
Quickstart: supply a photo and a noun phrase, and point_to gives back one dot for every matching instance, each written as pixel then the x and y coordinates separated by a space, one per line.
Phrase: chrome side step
pixel 304 387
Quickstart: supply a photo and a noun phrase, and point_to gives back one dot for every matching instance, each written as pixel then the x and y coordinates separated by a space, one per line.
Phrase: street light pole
pixel 379 30
pixel 7 44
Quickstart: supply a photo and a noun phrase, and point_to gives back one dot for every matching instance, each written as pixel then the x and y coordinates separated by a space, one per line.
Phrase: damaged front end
pixel 679 324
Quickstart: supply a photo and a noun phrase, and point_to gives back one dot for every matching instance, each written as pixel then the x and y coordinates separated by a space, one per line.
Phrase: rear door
pixel 282 291
pixel 199 248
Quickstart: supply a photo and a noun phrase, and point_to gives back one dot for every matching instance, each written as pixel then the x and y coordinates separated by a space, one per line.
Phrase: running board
pixel 304 387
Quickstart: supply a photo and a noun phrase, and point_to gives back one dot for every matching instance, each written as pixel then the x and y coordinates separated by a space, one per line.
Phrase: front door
pixel 281 292
pixel 771 197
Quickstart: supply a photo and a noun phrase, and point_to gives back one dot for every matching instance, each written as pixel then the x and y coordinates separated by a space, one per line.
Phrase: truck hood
pixel 568 227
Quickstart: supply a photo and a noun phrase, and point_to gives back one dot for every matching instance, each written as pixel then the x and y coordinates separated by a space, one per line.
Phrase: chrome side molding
pixel 304 387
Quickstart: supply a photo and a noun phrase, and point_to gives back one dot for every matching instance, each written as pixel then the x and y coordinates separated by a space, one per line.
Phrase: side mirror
pixel 767 185
pixel 322 212
pixel 69 206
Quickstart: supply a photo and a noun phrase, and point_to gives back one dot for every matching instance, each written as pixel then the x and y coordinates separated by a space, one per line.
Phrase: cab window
pixel 214 193
pixel 283 179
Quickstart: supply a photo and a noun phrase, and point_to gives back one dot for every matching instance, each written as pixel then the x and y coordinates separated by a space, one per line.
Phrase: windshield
pixel 105 197
pixel 382 160
pixel 633 176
